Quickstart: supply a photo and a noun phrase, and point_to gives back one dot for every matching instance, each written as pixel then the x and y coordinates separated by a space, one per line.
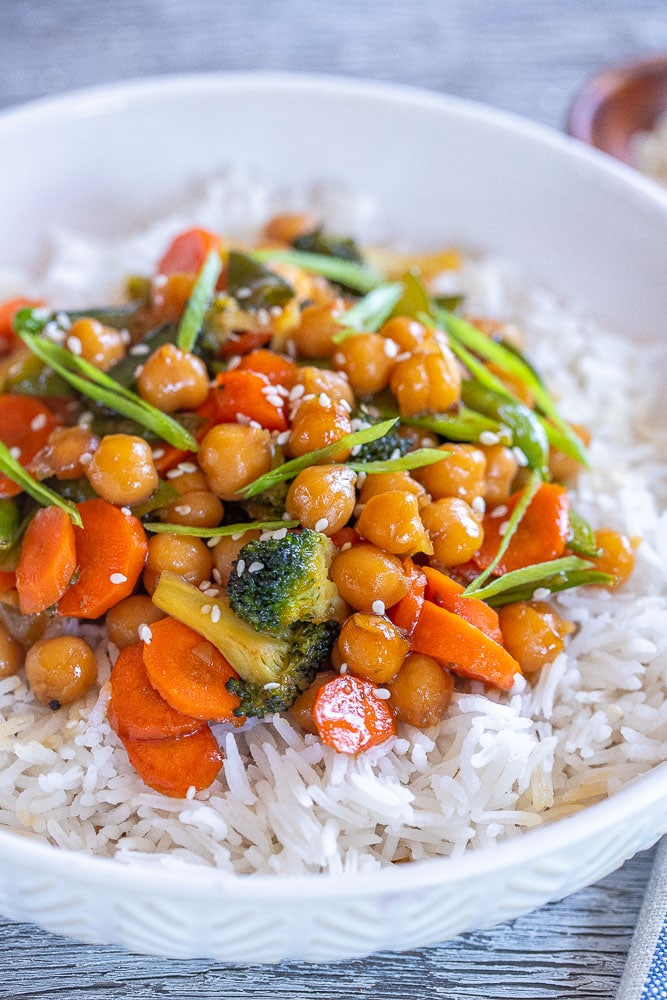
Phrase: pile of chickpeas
pixel 434 514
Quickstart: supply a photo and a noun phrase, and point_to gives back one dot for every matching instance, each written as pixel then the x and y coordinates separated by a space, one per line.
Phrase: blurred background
pixel 529 56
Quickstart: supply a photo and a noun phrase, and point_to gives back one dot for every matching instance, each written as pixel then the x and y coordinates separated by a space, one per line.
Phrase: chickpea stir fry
pixel 285 482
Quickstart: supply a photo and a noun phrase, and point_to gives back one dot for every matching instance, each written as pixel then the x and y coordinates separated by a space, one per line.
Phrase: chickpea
pixel 501 468
pixel 426 383
pixel 66 453
pixel 288 226
pixel 407 333
pixel 187 481
pixel 102 346
pixel 172 380
pixel 564 469
pixel 320 380
pixel 11 654
pixel 315 425
pixel 455 530
pixel 322 497
pixel 460 474
pixel 61 670
pixel 122 469
pixel 318 324
pixel 301 711
pixel 226 552
pixel 187 556
pixel 391 521
pixel 197 508
pixel 618 557
pixel 371 646
pixel 170 294
pixel 123 619
pixel 533 633
pixel 365 574
pixel 232 456
pixel 383 482
pixel 367 359
pixel 421 691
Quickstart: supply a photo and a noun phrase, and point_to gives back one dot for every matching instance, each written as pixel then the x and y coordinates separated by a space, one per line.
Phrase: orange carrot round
pixel 47 561
pixel 111 550
pixel 462 647
pixel 349 715
pixel 25 425
pixel 189 672
pixel 249 395
pixel 175 765
pixel 136 709
pixel 541 534
pixel 278 370
pixel 187 252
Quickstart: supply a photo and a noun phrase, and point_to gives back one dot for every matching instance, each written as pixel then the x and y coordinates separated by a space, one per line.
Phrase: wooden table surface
pixel 529 56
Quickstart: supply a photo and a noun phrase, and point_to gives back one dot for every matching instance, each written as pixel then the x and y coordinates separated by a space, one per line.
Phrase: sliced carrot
pixel 111 550
pixel 175 765
pixel 187 252
pixel 243 343
pixel 8 310
pixel 7 580
pixel 406 612
pixel 462 647
pixel 25 426
pixel 137 710
pixel 446 593
pixel 245 395
pixel 345 536
pixel 278 369
pixel 541 534
pixel 47 561
pixel 189 672
pixel 349 715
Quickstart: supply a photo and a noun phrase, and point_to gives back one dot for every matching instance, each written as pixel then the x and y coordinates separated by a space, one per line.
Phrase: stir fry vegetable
pixel 287 482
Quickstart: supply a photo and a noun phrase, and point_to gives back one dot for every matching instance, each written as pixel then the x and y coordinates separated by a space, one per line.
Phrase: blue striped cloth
pixel 645 975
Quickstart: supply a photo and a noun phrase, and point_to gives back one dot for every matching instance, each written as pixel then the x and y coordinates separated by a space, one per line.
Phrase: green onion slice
pixel 369 313
pixel 530 578
pixel 413 460
pixel 288 470
pixel 13 469
pixel 159 527
pixel 344 272
pixel 202 292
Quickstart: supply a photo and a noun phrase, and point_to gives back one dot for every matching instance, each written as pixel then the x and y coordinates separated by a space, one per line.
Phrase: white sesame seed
pixel 15 452
pixel 403 356
pixel 276 310
pixel 502 528
pixel 256 424
pixel 233 362
pixel 237 536
pixel 117 578
pixel 396 454
pixel 138 350
pixel 520 457
pixel 125 336
pixel 343 668
pixel 212 542
pixel 541 594
pixel 499 511
pixel 479 505
pixel 205 609
pixel 243 293
pixel 38 422
pixel 211 592
pixel 74 345
pixel 382 693
pixel 85 458
pixel 63 320
pixel 378 607
pixel 271 686
pixel 339 358
pixel 344 405
pixel 85 418
pixel 126 510
pixel 391 348
pixel 145 634
pixel 174 473
pixel 255 567
pixel 217 576
pixel 240 567
pixel 322 524
pixel 282 438
pixel 488 437
pixel 285 516
pixel 280 533
pixel 205 584
pixel 160 280
pixel 215 614
pixel 263 317
pixel 183 509
pixel 346 546
pixel 187 466
pixel 158 453
pixel 324 399
pixel 297 392
pixel 190 794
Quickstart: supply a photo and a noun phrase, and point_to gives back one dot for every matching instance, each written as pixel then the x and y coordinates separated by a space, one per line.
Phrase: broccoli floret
pixel 269 505
pixel 328 244
pixel 278 581
pixel 310 644
pixel 273 671
pixel 390 445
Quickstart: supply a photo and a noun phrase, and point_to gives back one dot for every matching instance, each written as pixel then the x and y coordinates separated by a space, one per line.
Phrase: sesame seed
pixel 404 356
pixel 499 511
pixel 479 505
pixel 339 358
pixel 205 584
pixel 160 280
pixel 541 594
pixel 488 437
pixel 38 422
pixel 297 392
pixel 344 405
pixel 117 578
pixel 158 453
pixel 346 546
pixel 125 336
pixel 243 293
pixel 263 317
pixel 343 668
pixel 212 542
pixel 215 614
pixel 396 454
pixel 322 524
pixel 85 418
pixel 237 536
pixel 382 693
pixel 211 592
pixel 63 320
pixel 190 794
pixel 271 686
pixel 520 457
pixel 256 424
pixel 502 528
pixel 378 607
pixel 205 609
pixel 240 567
pixel 126 510
pixel 285 516
pixel 15 452
pixel 183 509
pixel 255 567
pixel 217 576
pixel 280 533
pixel 282 438
pixel 276 310
pixel 145 634
pixel 324 399
pixel 187 466
pixel 233 362
pixel 391 348
pixel 74 345
pixel 138 350
pixel 174 473
pixel 85 458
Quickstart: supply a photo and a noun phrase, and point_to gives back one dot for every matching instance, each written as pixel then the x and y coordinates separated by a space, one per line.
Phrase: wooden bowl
pixel 617 103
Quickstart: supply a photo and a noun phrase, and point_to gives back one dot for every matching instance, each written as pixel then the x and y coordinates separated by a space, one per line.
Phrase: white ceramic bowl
pixel 102 162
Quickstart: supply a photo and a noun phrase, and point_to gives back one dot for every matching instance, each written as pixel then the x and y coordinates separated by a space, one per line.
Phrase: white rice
pixel 498 764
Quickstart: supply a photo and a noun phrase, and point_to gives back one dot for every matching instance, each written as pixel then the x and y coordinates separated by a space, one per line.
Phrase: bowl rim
pixel 204 881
